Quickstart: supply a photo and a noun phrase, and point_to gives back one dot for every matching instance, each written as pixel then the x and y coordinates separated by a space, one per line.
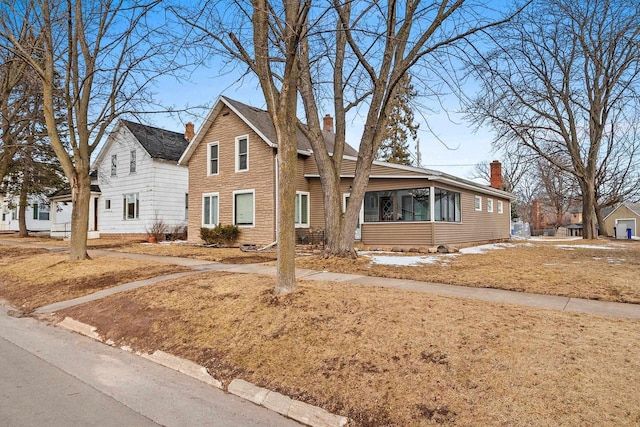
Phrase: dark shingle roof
pixel 262 121
pixel 159 143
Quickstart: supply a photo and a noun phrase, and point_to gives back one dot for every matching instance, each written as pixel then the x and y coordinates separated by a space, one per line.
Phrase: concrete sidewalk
pixel 549 302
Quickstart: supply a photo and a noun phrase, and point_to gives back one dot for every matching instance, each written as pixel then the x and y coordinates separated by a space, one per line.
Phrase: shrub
pixel 222 235
pixel 158 229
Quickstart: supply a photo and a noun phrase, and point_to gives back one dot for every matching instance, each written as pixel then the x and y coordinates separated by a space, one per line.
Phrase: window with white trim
pixel 243 208
pixel 132 162
pixel 489 205
pixel 477 203
pixel 41 211
pixel 130 206
pixel 500 208
pixel 210 209
pixel 242 153
pixel 302 209
pixel 212 158
pixel 114 164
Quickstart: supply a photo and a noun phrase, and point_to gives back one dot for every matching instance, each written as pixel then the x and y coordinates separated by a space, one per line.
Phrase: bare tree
pixel 103 57
pixel 367 48
pixel 559 75
pixel 618 177
pixel 559 191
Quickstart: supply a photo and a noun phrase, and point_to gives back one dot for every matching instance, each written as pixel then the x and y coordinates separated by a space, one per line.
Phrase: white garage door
pixel 621 228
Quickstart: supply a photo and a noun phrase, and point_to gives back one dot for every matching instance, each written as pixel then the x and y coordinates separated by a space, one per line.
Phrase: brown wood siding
pixel 416 234
pixel 260 178
pixel 476 226
pixel 621 213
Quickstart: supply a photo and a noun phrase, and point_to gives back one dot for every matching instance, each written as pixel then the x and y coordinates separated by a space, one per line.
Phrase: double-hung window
pixel 302 209
pixel 114 165
pixel 131 206
pixel 244 208
pixel 212 158
pixel 489 205
pixel 477 203
pixel 210 209
pixel 500 208
pixel 132 162
pixel 242 153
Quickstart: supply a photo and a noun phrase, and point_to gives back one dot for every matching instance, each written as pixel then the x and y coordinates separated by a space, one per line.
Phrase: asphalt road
pixel 49 376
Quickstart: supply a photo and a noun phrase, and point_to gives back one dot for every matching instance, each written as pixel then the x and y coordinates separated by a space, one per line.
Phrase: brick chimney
pixel 496 175
pixel 327 123
pixel 189 132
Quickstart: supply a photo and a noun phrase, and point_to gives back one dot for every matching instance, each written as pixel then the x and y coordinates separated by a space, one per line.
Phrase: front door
pixel 345 203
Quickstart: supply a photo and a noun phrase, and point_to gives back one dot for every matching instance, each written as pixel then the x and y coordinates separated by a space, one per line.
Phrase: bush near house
pixel 221 235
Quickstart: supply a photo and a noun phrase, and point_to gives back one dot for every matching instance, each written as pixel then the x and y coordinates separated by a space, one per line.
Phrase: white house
pixel 137 180
pixel 37 214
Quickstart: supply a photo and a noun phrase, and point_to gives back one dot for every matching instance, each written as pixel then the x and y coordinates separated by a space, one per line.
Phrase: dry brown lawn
pixel 32 277
pixel 101 243
pixel 610 272
pixel 226 255
pixel 389 357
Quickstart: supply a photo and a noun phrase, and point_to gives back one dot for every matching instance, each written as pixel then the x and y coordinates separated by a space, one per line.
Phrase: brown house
pixel 233 180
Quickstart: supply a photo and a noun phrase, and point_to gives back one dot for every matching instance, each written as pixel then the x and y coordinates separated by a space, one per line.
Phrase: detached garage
pixel 622 222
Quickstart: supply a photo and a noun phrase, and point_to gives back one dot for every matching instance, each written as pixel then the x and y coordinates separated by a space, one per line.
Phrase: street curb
pixel 302 412
pixel 284 405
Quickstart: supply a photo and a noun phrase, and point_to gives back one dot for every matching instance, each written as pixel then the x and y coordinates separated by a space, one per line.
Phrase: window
pixel 131 204
pixel 447 205
pixel 500 209
pixel 132 162
pixel 186 205
pixel 489 205
pixel 243 208
pixel 210 210
pixel 41 211
pixel 397 205
pixel 477 200
pixel 114 165
pixel 242 153
pixel 302 209
pixel 107 204
pixel 212 158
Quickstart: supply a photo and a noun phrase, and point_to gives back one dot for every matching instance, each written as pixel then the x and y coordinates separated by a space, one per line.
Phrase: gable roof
pixel 260 122
pixel 160 143
pixel 633 207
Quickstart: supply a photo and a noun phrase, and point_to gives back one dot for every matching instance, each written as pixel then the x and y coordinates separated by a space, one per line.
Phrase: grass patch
pixel 388 357
pixel 32 277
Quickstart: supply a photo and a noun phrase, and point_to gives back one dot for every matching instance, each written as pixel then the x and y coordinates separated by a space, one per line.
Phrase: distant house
pixel 37 213
pixel 136 180
pixel 622 221
pixel 233 180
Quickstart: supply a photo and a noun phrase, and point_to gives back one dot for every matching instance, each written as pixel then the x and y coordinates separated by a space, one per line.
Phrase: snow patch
pixel 573 247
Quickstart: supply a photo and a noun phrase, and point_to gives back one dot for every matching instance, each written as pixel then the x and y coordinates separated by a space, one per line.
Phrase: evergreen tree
pixel 395 147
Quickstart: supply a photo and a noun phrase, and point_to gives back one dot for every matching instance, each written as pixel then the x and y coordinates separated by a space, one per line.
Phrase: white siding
pixel 160 186
pixel 9 224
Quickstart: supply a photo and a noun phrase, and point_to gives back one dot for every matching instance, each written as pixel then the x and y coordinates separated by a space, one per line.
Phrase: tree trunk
pixel 22 209
pixel 601 226
pixel 588 198
pixel 81 199
pixel 286 265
